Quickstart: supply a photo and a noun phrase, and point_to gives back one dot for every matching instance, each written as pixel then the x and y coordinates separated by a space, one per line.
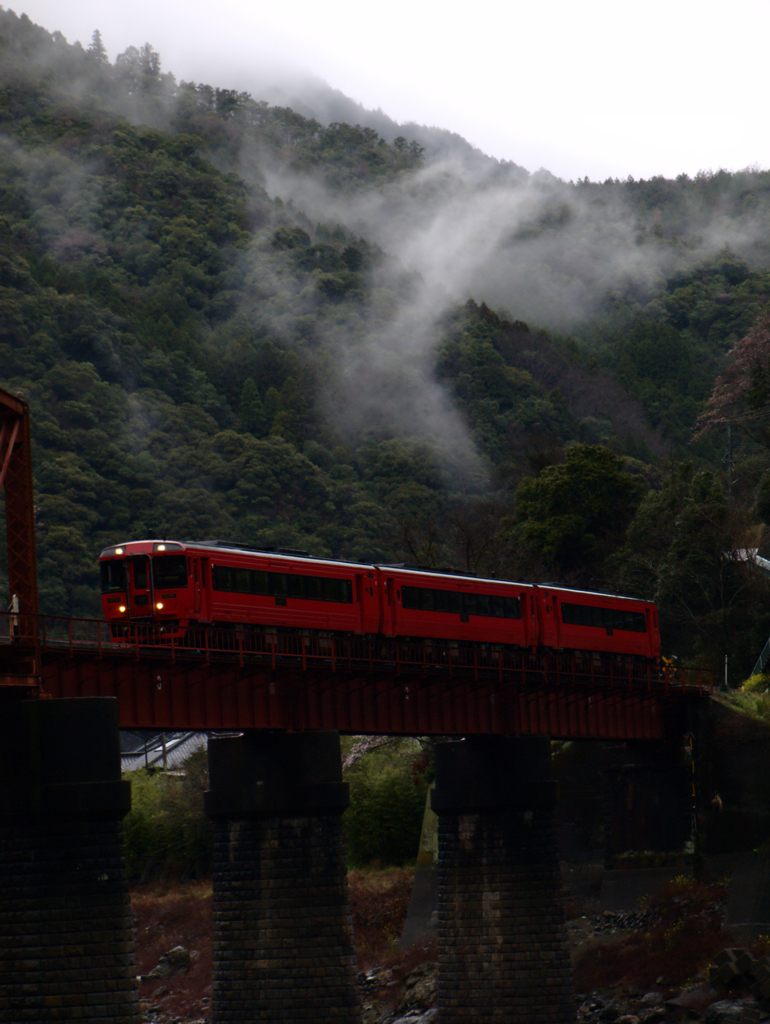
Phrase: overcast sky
pixel 594 88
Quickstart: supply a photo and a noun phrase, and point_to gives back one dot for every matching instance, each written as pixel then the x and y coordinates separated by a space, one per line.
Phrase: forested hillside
pixel 235 320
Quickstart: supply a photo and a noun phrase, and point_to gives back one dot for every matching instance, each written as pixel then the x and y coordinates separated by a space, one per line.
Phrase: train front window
pixel 113 576
pixel 170 571
pixel 139 565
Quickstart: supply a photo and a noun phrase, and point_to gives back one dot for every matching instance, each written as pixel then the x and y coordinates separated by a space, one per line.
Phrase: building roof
pixel 165 750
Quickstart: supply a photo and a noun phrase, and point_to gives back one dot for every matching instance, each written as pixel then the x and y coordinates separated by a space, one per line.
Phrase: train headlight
pixel 160 547
pixel 122 608
pixel 118 551
pixel 159 606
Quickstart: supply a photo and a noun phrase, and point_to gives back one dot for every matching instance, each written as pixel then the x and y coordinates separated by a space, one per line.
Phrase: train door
pixel 204 590
pixel 139 579
pixel 196 584
pixel 371 613
pixel 360 599
pixel 653 632
pixel 531 629
pixel 391 619
pixel 549 629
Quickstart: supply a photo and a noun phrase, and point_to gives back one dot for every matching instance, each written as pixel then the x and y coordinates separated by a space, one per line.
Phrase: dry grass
pixel 379 901
pixel 164 918
pixel 683 942
pixel 180 915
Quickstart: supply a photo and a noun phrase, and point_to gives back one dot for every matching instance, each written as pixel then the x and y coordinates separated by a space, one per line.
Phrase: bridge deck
pixel 221 679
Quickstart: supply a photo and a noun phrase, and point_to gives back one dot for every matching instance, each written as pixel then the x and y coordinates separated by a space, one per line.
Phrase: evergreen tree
pixel 251 409
pixel 97 51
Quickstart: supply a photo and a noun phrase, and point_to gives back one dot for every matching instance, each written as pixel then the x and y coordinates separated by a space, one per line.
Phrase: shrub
pixel 166 830
pixel 758 683
pixel 387 802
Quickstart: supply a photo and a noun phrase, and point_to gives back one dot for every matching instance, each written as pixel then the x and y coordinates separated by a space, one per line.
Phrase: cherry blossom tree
pixel 742 394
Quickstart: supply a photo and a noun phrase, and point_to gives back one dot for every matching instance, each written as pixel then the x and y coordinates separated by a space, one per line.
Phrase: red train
pixel 168 587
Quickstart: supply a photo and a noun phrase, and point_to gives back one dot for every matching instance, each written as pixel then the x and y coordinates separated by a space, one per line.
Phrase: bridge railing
pixel 19 628
pixel 48 630
pixel 479 663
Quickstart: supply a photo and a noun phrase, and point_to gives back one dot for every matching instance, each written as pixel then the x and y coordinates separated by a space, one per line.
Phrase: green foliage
pixel 384 819
pixel 680 550
pixel 204 360
pixel 755 704
pixel 574 513
pixel 759 683
pixel 166 831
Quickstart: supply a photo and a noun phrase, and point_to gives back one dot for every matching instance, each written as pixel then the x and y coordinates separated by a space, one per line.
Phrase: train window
pixel 140 571
pixel 169 570
pixel 113 576
pixel 337 590
pixel 260 584
pixel 242 581
pixel 448 601
pixel 429 599
pixel 279 584
pixel 220 577
pixel 603 618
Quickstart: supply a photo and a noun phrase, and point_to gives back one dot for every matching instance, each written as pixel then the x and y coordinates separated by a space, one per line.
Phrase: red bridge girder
pixel 16 479
pixel 166 695
pixel 231 681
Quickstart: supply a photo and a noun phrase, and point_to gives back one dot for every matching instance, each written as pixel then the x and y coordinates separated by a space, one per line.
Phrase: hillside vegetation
pixel 235 320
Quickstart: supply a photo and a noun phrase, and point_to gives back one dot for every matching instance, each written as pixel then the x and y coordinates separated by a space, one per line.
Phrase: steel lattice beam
pixel 16 480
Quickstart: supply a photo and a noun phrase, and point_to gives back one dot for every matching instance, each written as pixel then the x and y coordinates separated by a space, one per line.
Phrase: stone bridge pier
pixel 282 937
pixel 66 938
pixel 282 933
pixel 283 942
pixel 503 952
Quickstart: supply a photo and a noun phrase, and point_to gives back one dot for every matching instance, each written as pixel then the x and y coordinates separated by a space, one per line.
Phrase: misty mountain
pixel 280 322
pixel 316 99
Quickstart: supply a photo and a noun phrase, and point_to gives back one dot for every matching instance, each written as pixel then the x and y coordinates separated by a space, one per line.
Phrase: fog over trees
pixel 240 320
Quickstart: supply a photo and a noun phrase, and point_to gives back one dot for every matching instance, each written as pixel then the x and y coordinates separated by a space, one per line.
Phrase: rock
pixel 724 1012
pixel 610 1012
pixel 693 998
pixel 428 1017
pixel 420 988
pixel 628 1018
pixel 175 961
pixel 651 999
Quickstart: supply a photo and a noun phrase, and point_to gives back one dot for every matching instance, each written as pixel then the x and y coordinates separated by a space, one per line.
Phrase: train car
pixel 583 621
pixel 169 586
pixel 160 589
pixel 420 603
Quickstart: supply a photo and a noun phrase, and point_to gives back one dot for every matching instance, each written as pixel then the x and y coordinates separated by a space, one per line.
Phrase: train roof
pixel 234 548
pixel 592 593
pixel 420 570
pixel 296 554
